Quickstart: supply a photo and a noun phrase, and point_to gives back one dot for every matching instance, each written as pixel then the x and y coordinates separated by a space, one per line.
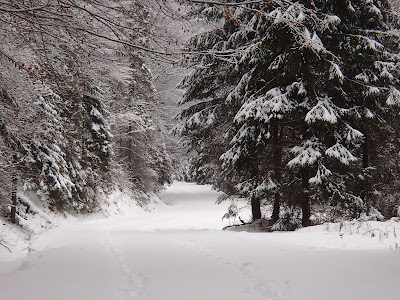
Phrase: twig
pixel 5 247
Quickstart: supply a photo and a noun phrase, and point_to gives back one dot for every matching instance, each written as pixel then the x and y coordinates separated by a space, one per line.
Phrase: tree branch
pixel 22 10
pixel 1 244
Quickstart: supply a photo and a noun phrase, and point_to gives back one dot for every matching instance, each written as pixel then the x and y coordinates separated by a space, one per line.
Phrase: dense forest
pixel 77 104
pixel 293 105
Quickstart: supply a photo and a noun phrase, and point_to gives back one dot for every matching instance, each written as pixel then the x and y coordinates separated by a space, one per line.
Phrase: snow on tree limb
pixel 322 174
pixel 335 72
pixel 307 154
pixel 353 135
pixel 323 111
pixel 341 153
pixel 394 97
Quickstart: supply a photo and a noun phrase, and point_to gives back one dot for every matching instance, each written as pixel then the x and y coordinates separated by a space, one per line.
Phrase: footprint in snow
pixel 133 284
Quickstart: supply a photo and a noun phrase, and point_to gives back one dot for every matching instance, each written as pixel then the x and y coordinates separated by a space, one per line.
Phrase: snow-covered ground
pixel 178 251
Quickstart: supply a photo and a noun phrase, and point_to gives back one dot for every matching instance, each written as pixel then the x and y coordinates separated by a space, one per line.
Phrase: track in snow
pixel 179 252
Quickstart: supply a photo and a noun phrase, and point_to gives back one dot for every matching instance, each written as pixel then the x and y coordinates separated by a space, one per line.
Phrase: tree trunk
pixel 14 181
pixel 277 164
pixel 365 165
pixel 365 154
pixel 305 206
pixel 129 146
pixel 277 204
pixel 254 200
pixel 305 203
pixel 305 176
pixel 255 207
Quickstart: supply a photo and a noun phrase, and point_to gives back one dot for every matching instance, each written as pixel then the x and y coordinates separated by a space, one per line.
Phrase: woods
pixel 163 149
pixel 295 105
pixel 75 102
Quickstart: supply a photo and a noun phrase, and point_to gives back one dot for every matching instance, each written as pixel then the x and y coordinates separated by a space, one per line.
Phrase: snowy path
pixel 179 252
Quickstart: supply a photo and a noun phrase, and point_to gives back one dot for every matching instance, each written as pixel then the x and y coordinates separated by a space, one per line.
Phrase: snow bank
pixel 350 235
pixel 128 203
pixel 14 242
pixel 353 235
pixel 35 218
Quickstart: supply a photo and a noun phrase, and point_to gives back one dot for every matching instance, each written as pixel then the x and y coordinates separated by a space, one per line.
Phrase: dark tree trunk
pixel 305 207
pixel 365 154
pixel 305 176
pixel 305 202
pixel 255 208
pixel 277 163
pixel 254 200
pixel 365 165
pixel 277 204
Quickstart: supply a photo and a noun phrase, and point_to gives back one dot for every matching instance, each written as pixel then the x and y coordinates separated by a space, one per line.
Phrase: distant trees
pixel 69 70
pixel 302 99
pixel 138 139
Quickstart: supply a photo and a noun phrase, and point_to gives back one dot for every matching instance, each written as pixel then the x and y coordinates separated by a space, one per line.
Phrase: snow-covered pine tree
pixel 278 76
pixel 54 121
pixel 48 146
pixel 366 40
pixel 263 83
pixel 14 154
pixel 206 116
pixel 287 72
pixel 89 147
pixel 82 117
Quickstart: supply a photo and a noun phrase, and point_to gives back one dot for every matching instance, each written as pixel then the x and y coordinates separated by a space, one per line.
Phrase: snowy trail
pixel 179 252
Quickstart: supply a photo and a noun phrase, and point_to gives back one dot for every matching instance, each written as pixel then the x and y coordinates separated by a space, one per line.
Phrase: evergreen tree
pixel 283 77
pixel 368 47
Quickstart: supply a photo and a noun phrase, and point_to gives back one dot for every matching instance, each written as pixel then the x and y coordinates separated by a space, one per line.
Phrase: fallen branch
pixel 5 247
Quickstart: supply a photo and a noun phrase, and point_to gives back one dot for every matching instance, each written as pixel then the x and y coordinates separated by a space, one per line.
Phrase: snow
pixel 374 10
pixel 277 62
pixel 272 105
pixel 353 135
pixel 341 153
pixel 385 69
pixel 15 239
pixel 307 154
pixel 372 44
pixel 323 111
pixel 34 207
pixel 178 251
pixel 312 42
pixel 394 97
pixel 322 173
pixel 335 72
pixel 331 20
pixel 362 77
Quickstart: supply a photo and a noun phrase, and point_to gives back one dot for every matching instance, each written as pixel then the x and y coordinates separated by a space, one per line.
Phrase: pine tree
pixel 206 116
pixel 367 46
pixel 291 95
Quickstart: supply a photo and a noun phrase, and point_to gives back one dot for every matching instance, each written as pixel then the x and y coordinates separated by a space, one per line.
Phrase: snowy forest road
pixel 179 252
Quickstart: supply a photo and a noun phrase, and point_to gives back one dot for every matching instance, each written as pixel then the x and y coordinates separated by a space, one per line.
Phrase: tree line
pixel 294 105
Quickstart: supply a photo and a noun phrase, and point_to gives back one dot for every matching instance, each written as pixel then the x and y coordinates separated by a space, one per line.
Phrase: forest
pixel 199 149
pixel 291 105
